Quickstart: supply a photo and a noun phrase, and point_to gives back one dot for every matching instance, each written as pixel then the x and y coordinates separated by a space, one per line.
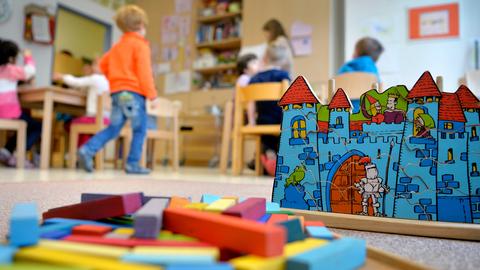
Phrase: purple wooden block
pixel 147 221
pixel 251 208
pixel 95 196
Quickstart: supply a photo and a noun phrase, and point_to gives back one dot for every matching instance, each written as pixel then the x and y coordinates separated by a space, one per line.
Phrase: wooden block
pixel 38 266
pixel 288 212
pixel 208 198
pixel 97 209
pixel 168 259
pixel 294 230
pixel 221 205
pixel 216 266
pixel 113 235
pixel 95 196
pixel 54 235
pixel 148 220
pixel 197 206
pixel 231 198
pixel 264 218
pixel 345 253
pixel 210 251
pixel 70 222
pixel 93 230
pixel 91 249
pixel 276 218
pixel 313 223
pixel 167 235
pixel 132 242
pixel 272 206
pixel 178 202
pixel 130 208
pixel 24 225
pixel 301 218
pixel 47 255
pixel 127 231
pixel 227 232
pixel 319 232
pixel 6 254
pixel 251 208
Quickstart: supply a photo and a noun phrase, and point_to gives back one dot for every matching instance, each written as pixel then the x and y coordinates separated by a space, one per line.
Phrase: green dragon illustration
pixel 296 177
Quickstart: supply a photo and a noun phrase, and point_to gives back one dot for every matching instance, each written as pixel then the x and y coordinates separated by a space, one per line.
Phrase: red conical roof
pixel 425 87
pixel 339 100
pixel 450 108
pixel 299 92
pixel 467 99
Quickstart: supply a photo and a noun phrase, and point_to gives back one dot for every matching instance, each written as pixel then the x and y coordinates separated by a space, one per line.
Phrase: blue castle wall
pixel 424 183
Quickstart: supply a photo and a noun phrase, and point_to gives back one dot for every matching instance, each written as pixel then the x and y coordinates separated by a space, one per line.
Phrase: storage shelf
pixel 215 69
pixel 230 43
pixel 218 17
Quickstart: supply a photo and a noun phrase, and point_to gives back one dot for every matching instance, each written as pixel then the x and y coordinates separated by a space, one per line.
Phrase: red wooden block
pixel 308 223
pixel 227 232
pixel 92 230
pixel 178 202
pixel 97 209
pixel 251 208
pixel 276 218
pixel 132 242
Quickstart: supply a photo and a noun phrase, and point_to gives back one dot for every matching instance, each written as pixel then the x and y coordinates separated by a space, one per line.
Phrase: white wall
pixel 404 60
pixel 43 54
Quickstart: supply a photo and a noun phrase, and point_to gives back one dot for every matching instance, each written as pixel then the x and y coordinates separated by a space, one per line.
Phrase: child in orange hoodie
pixel 127 67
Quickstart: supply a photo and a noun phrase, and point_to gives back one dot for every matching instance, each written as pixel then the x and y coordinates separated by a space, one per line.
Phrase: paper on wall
pixel 300 29
pixel 178 82
pixel 41 28
pixel 301 38
pixel 169 54
pixel 162 68
pixel 183 6
pixel 184 25
pixel 169 29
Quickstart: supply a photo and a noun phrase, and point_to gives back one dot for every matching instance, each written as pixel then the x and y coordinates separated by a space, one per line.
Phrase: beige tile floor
pixel 56 187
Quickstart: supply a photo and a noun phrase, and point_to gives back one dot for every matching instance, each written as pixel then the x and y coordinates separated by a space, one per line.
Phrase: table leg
pixel 46 131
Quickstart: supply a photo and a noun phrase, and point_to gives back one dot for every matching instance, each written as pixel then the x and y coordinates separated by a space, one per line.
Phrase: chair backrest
pixel 353 83
pixel 472 79
pixel 260 92
pixel 164 108
pixel 104 103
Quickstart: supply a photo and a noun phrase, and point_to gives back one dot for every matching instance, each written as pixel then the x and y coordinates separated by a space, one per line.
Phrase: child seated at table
pixel 268 112
pixel 366 54
pixel 247 66
pixel 128 68
pixel 96 84
pixel 10 75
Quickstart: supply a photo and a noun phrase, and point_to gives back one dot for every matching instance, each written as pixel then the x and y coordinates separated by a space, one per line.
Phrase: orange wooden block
pixel 308 223
pixel 276 218
pixel 228 232
pixel 92 230
pixel 178 202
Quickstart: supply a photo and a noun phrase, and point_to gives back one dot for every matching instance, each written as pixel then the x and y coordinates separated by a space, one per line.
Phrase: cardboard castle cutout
pixel 406 154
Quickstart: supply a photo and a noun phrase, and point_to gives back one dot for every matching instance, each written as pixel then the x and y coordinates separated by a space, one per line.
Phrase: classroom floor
pixel 56 187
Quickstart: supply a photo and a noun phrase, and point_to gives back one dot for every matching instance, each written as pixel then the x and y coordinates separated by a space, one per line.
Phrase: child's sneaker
pixel 85 160
pixel 12 162
pixel 136 169
pixel 5 155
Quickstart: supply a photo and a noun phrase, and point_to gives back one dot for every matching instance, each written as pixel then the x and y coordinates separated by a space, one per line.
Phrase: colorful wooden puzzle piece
pixel 24 228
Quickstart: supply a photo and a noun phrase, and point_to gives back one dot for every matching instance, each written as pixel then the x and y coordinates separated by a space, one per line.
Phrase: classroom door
pixel 344 197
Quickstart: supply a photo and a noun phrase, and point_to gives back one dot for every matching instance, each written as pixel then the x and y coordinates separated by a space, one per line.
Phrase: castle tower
pixel 297 183
pixel 471 109
pixel 453 200
pixel 339 120
pixel 416 196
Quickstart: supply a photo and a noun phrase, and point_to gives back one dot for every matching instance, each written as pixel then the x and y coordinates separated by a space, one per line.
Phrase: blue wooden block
pixel 265 218
pixel 218 266
pixel 273 206
pixel 158 259
pixel 345 253
pixel 209 198
pixel 24 225
pixel 6 254
pixel 319 232
pixel 55 235
pixel 294 229
pixel 147 221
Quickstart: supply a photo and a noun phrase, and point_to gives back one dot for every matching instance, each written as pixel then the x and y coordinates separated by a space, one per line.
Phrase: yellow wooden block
pixel 128 231
pixel 231 198
pixel 220 205
pixel 252 262
pixel 58 257
pixel 91 249
pixel 149 250
pixel 196 206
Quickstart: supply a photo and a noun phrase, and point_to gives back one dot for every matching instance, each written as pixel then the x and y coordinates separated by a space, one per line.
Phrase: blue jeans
pixel 126 105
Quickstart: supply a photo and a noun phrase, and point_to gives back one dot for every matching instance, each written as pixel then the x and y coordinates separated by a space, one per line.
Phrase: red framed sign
pixel 434 21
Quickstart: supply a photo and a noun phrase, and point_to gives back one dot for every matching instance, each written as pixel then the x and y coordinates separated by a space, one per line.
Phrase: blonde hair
pixel 130 18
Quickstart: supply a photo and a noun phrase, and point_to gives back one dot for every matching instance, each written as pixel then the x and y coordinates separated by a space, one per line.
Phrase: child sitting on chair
pixel 268 112
pixel 96 84
pixel 128 68
pixel 10 75
pixel 247 66
pixel 366 54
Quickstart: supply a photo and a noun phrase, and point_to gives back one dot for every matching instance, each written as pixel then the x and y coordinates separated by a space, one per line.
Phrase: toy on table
pixel 173 233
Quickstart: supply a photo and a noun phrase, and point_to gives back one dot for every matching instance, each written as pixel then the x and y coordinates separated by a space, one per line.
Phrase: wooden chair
pixel 226 136
pixel 169 110
pixel 20 127
pixel 472 80
pixel 103 103
pixel 252 93
pixel 353 83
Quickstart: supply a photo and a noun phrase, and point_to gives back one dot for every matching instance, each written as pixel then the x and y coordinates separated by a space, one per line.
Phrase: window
pixel 474 132
pixel 347 109
pixel 285 108
pixel 429 99
pixel 299 128
pixel 339 121
pixel 309 105
pixel 419 101
pixel 297 106
pixel 329 156
pixel 448 125
pixel 354 134
pixel 450 154
pixel 339 109
pixel 474 167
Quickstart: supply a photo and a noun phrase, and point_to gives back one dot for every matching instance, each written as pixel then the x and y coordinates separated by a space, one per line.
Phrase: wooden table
pixel 52 99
